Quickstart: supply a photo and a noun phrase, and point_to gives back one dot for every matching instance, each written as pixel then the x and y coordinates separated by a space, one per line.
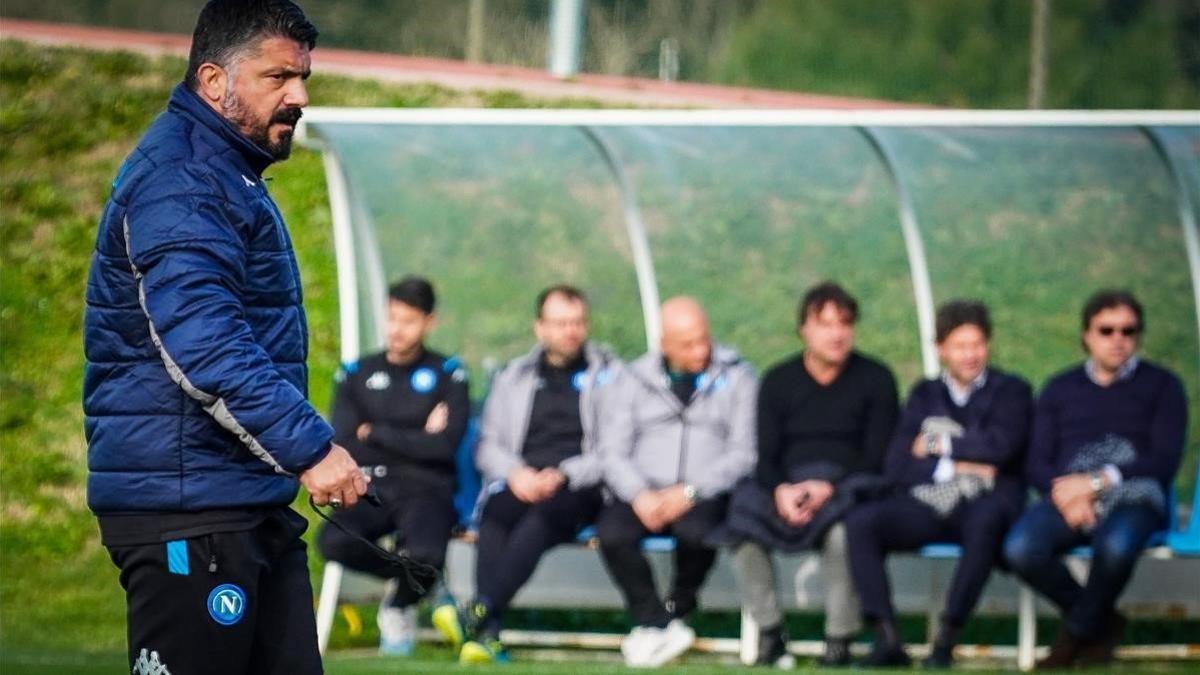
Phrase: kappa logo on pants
pixel 147 663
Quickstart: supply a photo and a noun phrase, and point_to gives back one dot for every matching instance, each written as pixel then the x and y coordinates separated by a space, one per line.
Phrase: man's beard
pixel 235 110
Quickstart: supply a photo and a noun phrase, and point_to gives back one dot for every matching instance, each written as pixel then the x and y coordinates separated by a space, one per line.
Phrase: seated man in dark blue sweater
pixel 956 457
pixel 1107 439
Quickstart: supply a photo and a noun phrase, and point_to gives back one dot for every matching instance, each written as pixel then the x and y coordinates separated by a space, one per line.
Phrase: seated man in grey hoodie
pixel 538 455
pixel 679 435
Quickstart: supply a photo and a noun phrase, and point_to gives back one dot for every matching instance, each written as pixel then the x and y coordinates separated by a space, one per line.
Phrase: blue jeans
pixel 1034 547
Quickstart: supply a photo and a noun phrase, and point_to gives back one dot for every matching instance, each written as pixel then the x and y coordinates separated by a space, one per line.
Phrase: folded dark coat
pixel 753 517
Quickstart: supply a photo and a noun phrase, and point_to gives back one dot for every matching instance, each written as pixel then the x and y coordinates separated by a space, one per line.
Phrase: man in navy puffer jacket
pixel 199 431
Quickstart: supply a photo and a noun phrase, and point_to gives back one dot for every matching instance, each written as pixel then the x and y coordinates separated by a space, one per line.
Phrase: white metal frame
pixel 643 262
pixel 590 121
pixel 747 118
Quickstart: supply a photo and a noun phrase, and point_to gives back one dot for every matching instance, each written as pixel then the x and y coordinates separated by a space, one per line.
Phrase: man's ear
pixel 212 83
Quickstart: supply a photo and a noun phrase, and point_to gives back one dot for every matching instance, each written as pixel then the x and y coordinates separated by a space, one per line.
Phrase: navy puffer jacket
pixel 195 386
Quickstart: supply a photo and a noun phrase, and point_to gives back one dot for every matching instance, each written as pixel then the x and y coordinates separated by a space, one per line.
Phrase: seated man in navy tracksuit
pixel 402 413
pixel 956 459
pixel 1107 439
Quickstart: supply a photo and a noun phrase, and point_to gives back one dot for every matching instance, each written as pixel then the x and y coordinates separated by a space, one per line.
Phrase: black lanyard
pixel 408 565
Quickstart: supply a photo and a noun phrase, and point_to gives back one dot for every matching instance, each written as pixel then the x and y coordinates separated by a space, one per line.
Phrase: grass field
pixel 68 117
pixel 439 660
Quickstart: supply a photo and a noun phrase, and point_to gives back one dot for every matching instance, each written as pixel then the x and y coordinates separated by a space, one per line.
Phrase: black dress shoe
pixel 1062 652
pixel 886 656
pixel 940 657
pixel 1100 651
pixel 772 649
pixel 837 653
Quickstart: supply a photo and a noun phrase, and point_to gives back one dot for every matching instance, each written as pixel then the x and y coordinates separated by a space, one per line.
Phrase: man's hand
pixel 674 504
pixel 438 418
pixel 523 483
pixel 1079 514
pixel 920 447
pixel 788 498
pixel 549 480
pixel 984 471
pixel 818 493
pixel 1075 500
pixel 1071 487
pixel 647 506
pixel 363 432
pixel 337 477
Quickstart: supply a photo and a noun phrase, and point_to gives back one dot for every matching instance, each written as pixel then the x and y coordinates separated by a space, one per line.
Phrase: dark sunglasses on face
pixel 1127 331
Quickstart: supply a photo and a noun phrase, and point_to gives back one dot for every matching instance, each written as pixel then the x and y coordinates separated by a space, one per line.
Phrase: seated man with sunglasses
pixel 1107 440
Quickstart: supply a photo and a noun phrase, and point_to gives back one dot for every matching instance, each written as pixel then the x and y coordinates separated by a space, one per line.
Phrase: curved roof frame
pixel 351 234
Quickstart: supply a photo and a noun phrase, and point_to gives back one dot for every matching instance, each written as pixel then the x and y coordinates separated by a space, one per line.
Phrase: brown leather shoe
pixel 1100 651
pixel 1062 652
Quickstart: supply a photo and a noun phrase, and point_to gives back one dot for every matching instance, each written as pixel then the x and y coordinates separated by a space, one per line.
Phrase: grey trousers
pixel 755 573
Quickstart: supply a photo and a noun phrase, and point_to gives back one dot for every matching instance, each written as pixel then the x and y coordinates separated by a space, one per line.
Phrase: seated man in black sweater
pixel 824 419
pixel 1107 440
pixel 402 414
pixel 957 458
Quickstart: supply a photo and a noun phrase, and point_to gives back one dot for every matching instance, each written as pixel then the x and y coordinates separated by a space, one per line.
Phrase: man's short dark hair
pixel 565 290
pixel 1110 298
pixel 415 292
pixel 227 28
pixel 822 294
pixel 956 313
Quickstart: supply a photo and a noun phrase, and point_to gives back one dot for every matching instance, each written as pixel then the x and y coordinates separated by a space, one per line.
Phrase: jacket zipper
pixel 212 555
pixel 683 434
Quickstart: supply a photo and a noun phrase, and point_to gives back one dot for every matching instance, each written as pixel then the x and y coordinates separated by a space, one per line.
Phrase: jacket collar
pixel 961 395
pixel 649 366
pixel 1123 373
pixel 598 356
pixel 184 101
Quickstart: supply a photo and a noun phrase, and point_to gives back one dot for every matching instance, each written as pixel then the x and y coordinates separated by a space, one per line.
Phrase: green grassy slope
pixel 67 119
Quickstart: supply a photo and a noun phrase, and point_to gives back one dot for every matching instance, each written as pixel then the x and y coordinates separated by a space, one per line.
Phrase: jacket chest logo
pixel 579 380
pixel 423 380
pixel 378 381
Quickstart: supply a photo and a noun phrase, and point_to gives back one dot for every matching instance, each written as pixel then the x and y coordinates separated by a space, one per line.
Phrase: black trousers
pixel 223 603
pixel 513 536
pixel 903 523
pixel 419 515
pixel 621 534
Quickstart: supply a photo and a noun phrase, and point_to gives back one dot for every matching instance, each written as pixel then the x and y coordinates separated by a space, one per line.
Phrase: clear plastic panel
pixel 1182 145
pixel 1030 220
pixel 492 215
pixel 1034 220
pixel 745 219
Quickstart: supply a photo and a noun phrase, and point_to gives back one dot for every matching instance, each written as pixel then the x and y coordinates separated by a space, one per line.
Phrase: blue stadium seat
pixel 653 544
pixel 469 481
pixel 1187 542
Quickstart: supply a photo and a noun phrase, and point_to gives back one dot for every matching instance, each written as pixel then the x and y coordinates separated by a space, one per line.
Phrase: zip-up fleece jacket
pixel 651 440
pixel 195 386
pixel 505 422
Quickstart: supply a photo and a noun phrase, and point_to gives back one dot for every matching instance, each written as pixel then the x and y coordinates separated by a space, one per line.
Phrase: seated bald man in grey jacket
pixel 679 435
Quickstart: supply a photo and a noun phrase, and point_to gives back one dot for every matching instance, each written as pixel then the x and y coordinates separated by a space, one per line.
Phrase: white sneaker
pixel 660 645
pixel 397 630
pixel 635 645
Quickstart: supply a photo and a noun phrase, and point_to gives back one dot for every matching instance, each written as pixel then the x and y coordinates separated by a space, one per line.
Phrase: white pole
pixel 347 262
pixel 566 37
pixel 1026 628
